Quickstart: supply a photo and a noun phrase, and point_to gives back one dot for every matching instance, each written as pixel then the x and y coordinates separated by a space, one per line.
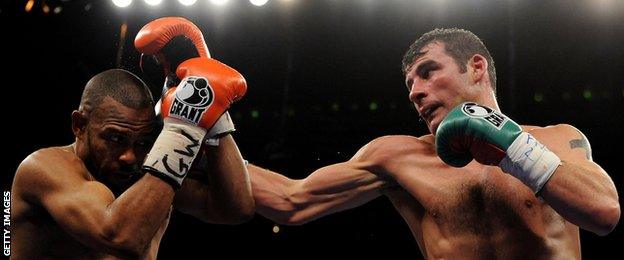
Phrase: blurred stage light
pixel 219 2
pixel 46 8
pixel 153 2
pixel 58 10
pixel 335 107
pixel 538 97
pixel 29 5
pixel 373 106
pixel 187 2
pixel 258 2
pixel 122 3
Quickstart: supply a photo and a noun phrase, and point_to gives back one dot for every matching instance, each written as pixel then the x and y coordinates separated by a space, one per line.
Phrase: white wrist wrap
pixel 530 161
pixel 224 125
pixel 173 152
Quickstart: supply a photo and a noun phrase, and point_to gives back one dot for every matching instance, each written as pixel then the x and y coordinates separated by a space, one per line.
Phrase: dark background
pixel 324 79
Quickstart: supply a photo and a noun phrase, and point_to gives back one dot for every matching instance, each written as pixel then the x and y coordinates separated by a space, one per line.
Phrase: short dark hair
pixel 120 85
pixel 460 44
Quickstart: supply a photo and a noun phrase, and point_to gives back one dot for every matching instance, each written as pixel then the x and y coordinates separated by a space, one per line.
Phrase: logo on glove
pixel 192 97
pixel 491 116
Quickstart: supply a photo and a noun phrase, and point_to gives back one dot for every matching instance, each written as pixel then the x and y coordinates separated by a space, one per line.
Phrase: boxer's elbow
pixel 240 213
pixel 231 213
pixel 246 213
pixel 288 218
pixel 126 252
pixel 124 245
pixel 298 219
pixel 607 217
pixel 301 210
pixel 290 210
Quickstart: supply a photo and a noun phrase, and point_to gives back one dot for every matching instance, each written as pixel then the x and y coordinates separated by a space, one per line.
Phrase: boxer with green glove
pixel 474 131
pixel 457 207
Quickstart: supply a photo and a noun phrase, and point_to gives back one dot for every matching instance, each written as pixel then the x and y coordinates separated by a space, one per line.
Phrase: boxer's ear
pixel 477 66
pixel 79 123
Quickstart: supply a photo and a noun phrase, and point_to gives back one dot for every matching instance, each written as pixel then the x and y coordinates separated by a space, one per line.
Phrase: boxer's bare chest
pixel 476 199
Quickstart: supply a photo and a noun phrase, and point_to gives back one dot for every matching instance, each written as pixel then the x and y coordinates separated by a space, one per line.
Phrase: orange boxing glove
pixel 207 89
pixel 165 43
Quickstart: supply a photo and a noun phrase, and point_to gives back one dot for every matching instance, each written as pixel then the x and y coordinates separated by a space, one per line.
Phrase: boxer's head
pixel 114 127
pixel 444 68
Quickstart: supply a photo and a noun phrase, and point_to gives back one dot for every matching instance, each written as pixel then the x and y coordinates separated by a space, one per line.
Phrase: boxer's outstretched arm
pixel 327 190
pixel 580 190
pixel 218 189
pixel 88 210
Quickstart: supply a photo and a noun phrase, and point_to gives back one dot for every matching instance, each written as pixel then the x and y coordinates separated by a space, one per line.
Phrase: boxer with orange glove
pixel 164 44
pixel 205 92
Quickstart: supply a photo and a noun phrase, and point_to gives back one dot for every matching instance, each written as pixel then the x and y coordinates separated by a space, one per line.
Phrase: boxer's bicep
pixel 579 189
pixel 81 210
pixel 77 205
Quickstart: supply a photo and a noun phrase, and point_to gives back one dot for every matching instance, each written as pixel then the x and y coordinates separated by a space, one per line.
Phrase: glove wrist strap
pixel 223 126
pixel 530 161
pixel 174 151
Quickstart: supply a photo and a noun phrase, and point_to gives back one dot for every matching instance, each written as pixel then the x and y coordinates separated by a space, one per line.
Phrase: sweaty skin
pixel 62 209
pixel 474 212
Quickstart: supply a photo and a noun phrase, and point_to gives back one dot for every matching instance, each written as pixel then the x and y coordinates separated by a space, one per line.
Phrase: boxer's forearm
pixel 131 221
pixel 327 190
pixel 229 183
pixel 218 189
pixel 272 193
pixel 584 194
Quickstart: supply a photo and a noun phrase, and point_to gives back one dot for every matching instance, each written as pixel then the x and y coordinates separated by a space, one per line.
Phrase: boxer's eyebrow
pixel 424 67
pixel 115 130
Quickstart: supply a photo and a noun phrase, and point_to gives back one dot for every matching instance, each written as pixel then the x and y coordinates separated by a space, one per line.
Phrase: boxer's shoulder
pixel 561 139
pixel 558 130
pixel 402 143
pixel 58 156
pixel 48 166
pixel 391 148
pixel 554 134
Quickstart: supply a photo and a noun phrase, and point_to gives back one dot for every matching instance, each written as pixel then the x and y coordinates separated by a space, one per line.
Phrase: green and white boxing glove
pixel 474 131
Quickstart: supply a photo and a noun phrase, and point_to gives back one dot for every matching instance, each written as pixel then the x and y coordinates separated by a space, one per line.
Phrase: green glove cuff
pixel 473 121
pixel 530 161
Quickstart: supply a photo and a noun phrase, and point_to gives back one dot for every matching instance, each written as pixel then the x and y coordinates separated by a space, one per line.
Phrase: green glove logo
pixel 486 113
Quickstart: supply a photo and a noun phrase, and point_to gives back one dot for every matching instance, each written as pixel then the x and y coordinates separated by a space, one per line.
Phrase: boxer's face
pixel 118 139
pixel 436 84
